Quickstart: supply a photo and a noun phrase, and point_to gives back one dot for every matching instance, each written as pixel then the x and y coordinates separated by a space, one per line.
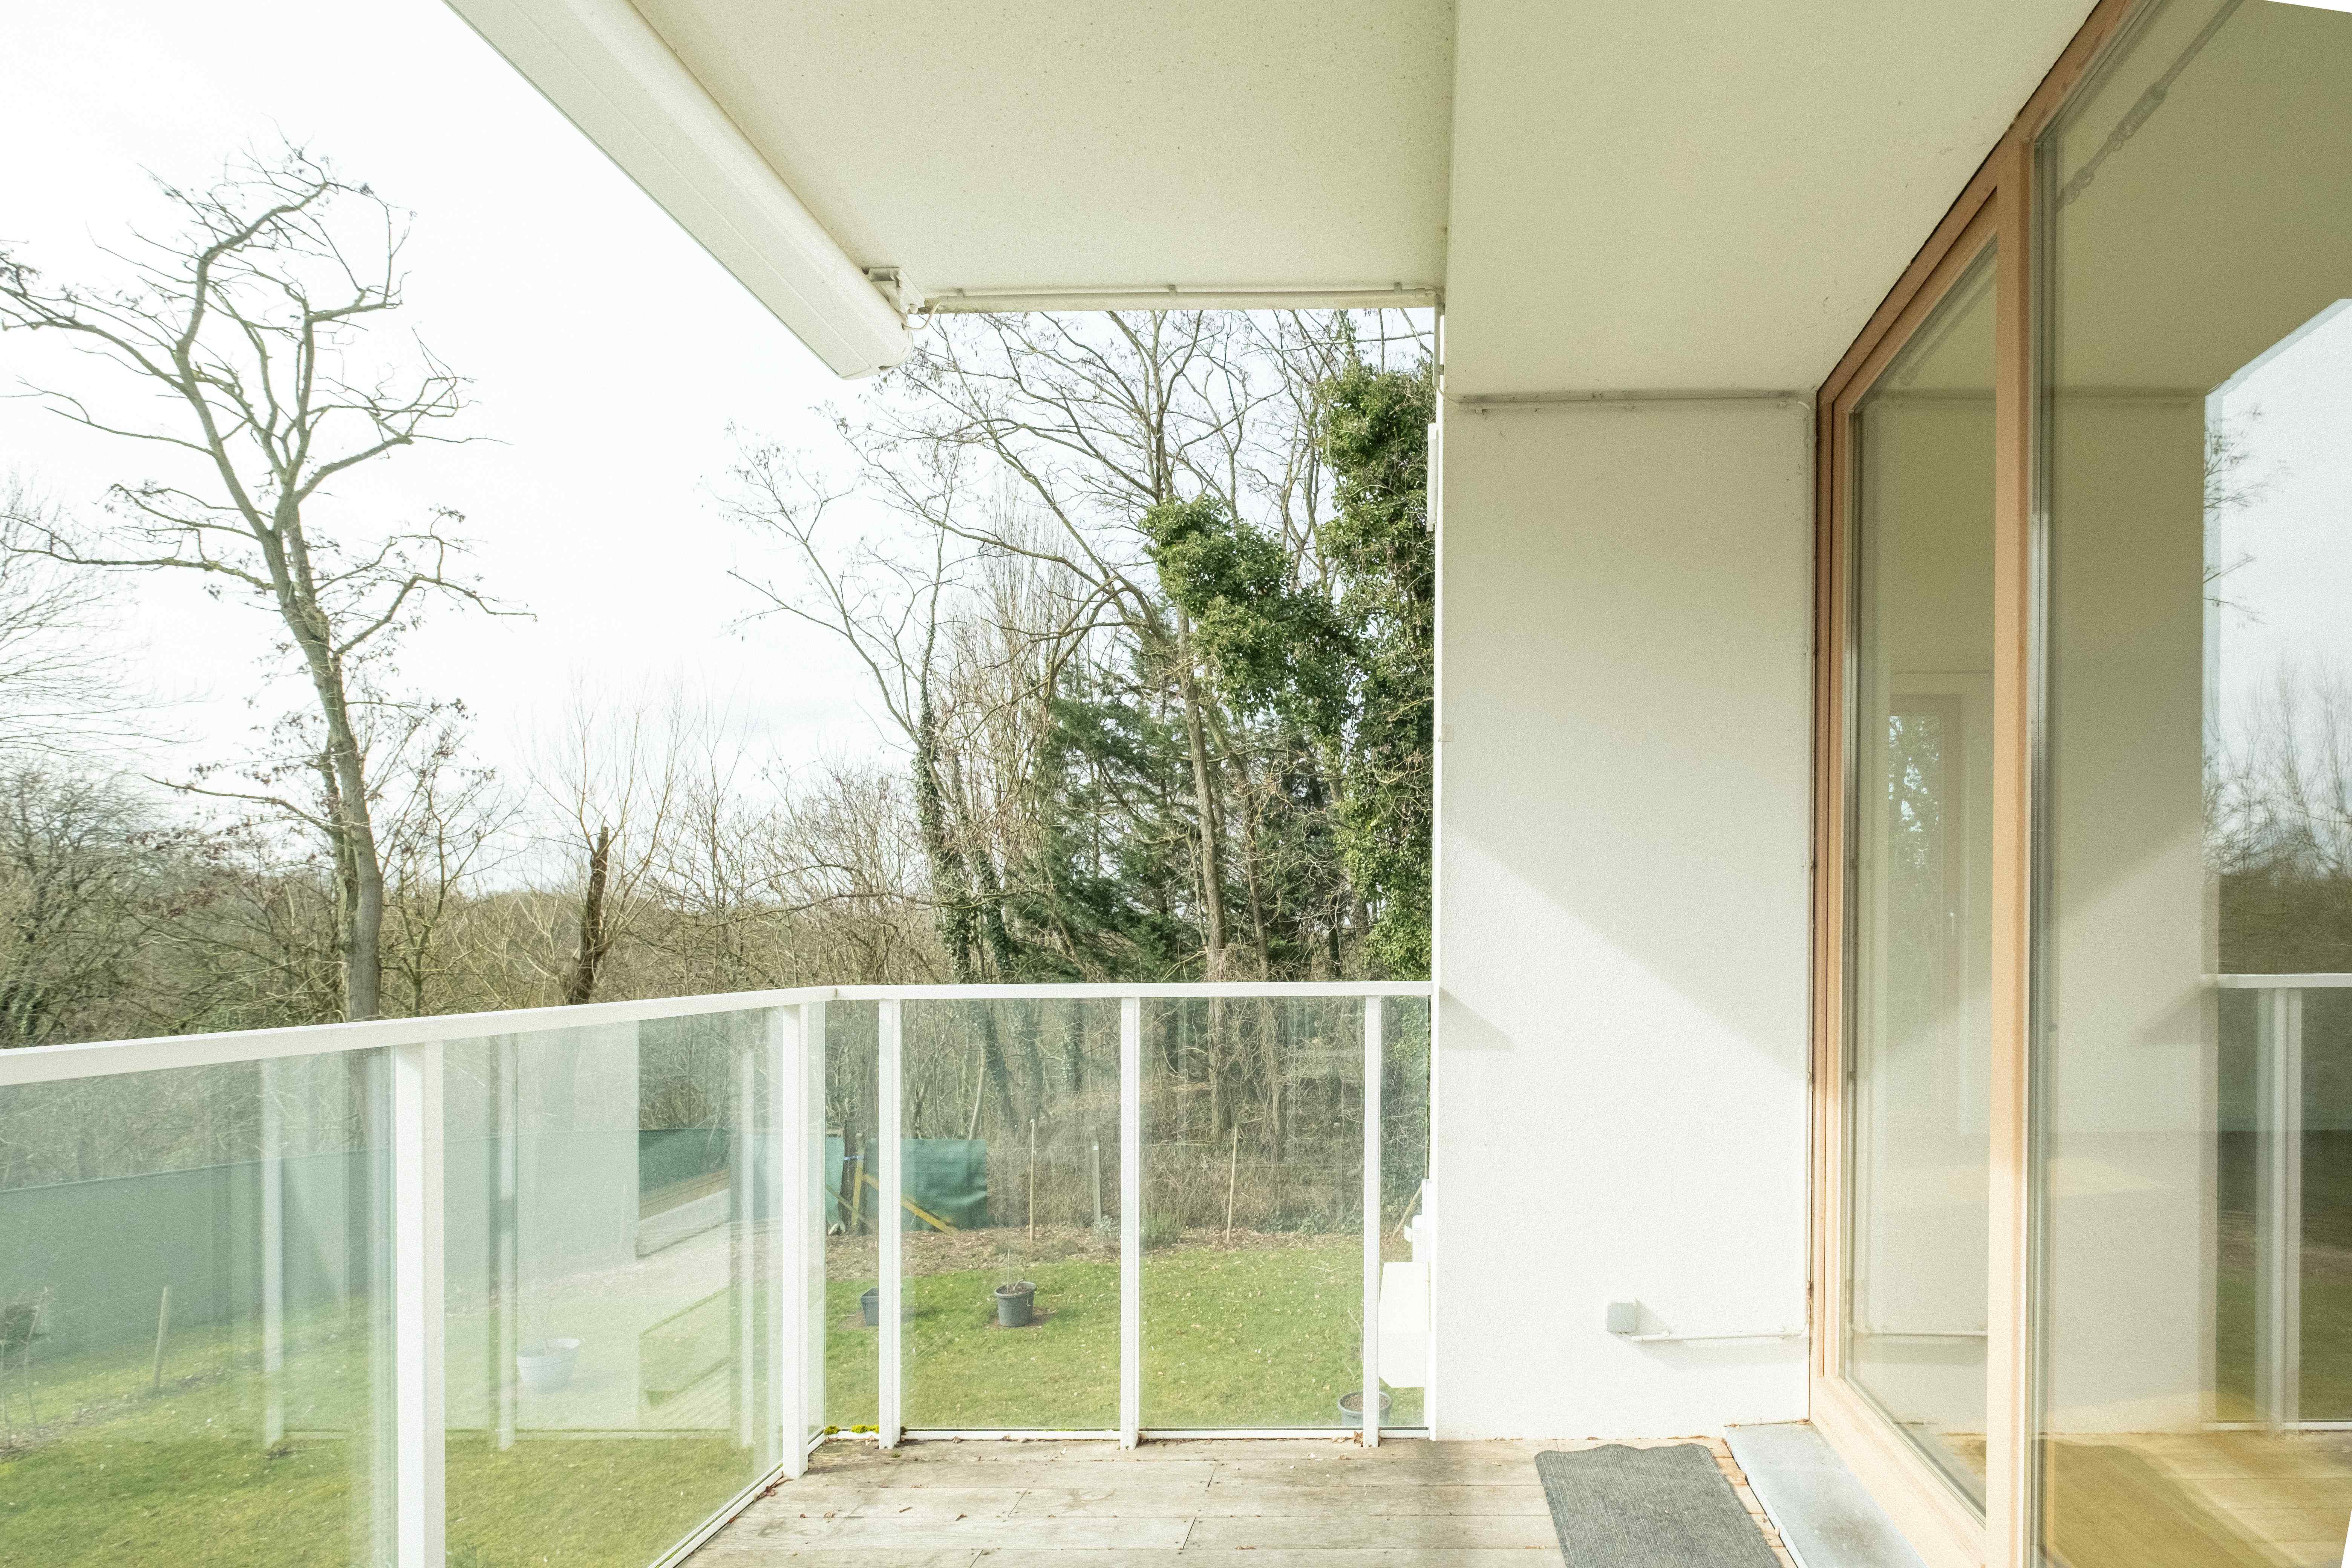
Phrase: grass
pixel 220 1502
pixel 615 1502
pixel 126 1476
pixel 1262 1334
pixel 1249 1336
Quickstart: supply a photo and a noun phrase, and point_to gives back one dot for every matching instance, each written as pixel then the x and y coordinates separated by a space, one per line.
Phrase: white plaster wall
pixel 1623 914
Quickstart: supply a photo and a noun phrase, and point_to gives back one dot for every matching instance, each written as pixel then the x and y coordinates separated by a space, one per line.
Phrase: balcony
pixel 577 1284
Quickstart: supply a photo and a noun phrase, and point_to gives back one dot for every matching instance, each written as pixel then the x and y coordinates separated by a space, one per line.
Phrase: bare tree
pixel 60 691
pixel 611 777
pixel 254 325
pixel 1096 421
pixel 78 862
pixel 890 610
pixel 444 828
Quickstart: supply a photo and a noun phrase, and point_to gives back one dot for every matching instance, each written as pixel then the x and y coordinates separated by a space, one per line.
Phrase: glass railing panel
pixel 615 1344
pixel 194 1300
pixel 2237 1190
pixel 2323 1260
pixel 1009 1188
pixel 1407 1226
pixel 1253 1207
pixel 853 1177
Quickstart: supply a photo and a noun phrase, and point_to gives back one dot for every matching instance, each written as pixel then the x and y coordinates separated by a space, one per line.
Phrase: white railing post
pixel 417 1307
pixel 888 1234
pixel 805 1219
pixel 273 1258
pixel 506 1330
pixel 747 1254
pixel 2278 1204
pixel 1130 1221
pixel 1373 1117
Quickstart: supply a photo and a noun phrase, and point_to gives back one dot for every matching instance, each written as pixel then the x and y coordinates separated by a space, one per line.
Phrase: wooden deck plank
pixel 1248 1500
pixel 1195 1474
pixel 907 1531
pixel 1389 1532
pixel 1250 1557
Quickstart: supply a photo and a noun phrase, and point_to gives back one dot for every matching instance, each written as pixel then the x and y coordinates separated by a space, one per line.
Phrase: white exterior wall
pixel 1623 914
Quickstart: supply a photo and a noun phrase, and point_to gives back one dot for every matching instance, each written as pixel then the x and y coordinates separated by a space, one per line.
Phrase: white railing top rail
pixel 1154 991
pixel 105 1058
pixel 2284 981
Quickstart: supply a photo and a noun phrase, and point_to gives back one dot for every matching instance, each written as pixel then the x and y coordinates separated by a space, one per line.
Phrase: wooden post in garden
pixel 162 1327
pixel 1032 1184
pixel 1233 1173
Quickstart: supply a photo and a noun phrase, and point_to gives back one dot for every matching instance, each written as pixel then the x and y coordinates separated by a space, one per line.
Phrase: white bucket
pixel 547 1367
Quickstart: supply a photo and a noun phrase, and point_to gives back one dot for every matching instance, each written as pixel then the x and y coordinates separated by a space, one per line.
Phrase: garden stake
pixel 1232 1170
pixel 162 1325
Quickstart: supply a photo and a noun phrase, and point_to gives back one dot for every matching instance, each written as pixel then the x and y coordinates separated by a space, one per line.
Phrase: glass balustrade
pixel 572 1285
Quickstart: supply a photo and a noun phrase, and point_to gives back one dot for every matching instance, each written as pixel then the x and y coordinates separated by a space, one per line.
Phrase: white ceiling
pixel 1643 195
pixel 1710 194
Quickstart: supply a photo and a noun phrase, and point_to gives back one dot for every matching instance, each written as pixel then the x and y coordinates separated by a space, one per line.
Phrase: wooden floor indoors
pixel 1243 1503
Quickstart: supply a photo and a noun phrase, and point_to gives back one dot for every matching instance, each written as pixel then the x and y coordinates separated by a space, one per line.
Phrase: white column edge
pixel 1374 1043
pixel 419 1322
pixel 890 1419
pixel 1130 1221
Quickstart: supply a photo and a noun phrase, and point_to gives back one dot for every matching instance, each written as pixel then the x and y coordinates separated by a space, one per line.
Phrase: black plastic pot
pixel 1014 1305
pixel 870 1304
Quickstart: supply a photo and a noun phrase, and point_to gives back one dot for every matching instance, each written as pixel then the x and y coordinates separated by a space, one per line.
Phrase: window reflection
pixel 2194 1043
pixel 1921 953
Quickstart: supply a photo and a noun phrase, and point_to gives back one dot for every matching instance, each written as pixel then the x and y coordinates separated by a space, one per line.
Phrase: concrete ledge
pixel 1824 1518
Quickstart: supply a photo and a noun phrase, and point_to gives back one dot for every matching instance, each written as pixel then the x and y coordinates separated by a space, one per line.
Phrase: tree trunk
pixel 579 987
pixel 952 887
pixel 351 821
pixel 1204 803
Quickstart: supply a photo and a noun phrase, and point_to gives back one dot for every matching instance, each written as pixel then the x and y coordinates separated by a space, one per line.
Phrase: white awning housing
pixel 1710 194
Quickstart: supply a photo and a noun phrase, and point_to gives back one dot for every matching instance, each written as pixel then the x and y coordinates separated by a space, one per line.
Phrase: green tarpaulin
pixel 946 1178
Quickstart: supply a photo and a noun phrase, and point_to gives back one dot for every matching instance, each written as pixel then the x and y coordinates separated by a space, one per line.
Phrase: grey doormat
pixel 1648 1508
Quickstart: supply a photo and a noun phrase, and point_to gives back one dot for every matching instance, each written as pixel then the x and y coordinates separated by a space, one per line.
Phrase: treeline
pixel 1145 603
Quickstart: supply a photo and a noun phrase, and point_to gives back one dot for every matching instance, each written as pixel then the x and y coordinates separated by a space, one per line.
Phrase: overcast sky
pixel 608 353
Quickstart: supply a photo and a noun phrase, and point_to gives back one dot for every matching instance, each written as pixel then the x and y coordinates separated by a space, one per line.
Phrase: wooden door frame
pixel 1997 210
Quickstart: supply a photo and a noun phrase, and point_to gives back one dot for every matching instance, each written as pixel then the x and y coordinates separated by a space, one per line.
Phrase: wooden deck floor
pixel 1243 1504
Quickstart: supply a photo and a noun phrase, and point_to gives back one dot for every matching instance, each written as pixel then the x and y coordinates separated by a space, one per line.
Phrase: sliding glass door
pixel 2086 1053
pixel 2194 1040
pixel 1919 913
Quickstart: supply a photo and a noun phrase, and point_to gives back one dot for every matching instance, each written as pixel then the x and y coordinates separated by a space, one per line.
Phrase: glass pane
pixel 612 1301
pixel 2324 1254
pixel 853 1281
pixel 1010 1214
pixel 2195 1291
pixel 1920 950
pixel 1252 1201
pixel 195 1315
pixel 1405 1218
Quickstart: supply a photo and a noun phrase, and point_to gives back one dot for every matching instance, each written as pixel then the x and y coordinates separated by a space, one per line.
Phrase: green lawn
pixel 1263 1335
pixel 126 1476
pixel 221 1503
pixel 1248 1337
